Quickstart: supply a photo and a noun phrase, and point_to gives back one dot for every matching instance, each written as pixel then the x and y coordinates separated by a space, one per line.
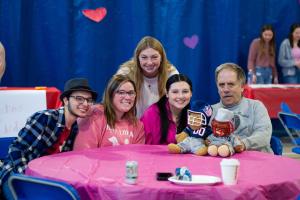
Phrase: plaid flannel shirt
pixel 40 132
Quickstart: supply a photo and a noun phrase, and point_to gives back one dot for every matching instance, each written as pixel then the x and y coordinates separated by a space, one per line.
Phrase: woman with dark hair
pixel 261 58
pixel 289 56
pixel 168 116
pixel 113 122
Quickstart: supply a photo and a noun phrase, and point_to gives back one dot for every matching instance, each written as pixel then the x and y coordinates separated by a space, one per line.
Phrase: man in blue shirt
pixel 49 131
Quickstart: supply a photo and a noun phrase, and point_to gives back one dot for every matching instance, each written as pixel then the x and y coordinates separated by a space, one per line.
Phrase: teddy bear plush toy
pixel 223 141
pixel 192 138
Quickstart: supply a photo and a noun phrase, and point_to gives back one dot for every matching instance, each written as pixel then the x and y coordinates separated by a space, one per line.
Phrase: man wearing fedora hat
pixel 49 131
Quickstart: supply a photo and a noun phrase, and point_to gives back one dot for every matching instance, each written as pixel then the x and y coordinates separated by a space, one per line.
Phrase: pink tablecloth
pixel 99 174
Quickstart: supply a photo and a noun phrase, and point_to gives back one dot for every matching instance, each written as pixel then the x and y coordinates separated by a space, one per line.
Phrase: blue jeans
pixel 263 75
pixel 294 79
pixel 290 79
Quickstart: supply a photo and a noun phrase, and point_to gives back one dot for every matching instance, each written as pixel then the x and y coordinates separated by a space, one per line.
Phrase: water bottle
pixel 249 77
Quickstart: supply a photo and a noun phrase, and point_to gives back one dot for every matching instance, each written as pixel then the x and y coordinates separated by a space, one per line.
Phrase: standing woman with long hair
pixel 261 58
pixel 149 69
pixel 289 56
pixel 164 119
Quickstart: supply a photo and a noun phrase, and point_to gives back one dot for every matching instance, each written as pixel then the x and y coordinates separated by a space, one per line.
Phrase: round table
pixel 100 174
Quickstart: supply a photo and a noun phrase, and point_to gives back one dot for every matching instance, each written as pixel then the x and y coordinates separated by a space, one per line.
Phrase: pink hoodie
pixel 94 131
pixel 151 120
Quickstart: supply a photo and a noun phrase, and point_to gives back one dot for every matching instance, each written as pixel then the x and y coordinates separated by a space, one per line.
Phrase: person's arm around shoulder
pixel 90 129
pixel 140 133
pixel 149 118
pixel 126 68
pixel 123 71
pixel 172 70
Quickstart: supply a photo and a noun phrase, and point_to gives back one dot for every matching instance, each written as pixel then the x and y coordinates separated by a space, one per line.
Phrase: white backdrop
pixel 16 106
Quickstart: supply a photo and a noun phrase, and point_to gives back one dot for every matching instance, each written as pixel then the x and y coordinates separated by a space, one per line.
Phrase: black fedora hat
pixel 77 84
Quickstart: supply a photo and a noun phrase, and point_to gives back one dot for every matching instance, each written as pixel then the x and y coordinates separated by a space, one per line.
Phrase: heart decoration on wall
pixel 95 15
pixel 191 42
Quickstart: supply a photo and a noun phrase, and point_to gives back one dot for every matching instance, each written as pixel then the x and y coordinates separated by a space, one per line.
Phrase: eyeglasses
pixel 123 93
pixel 81 100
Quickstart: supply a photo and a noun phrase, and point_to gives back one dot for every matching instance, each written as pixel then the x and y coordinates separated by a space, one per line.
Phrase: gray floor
pixel 287 146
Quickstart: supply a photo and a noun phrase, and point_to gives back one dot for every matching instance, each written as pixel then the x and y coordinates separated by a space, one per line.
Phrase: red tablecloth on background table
pixel 52 94
pixel 273 95
pixel 100 174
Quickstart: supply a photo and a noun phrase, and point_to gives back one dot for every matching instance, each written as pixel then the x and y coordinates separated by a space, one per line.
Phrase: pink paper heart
pixel 95 15
pixel 191 42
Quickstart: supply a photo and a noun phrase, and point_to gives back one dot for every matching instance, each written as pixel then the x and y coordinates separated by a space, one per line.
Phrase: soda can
pixel 131 172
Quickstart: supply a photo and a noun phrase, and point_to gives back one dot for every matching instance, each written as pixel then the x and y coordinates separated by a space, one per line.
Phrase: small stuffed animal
pixel 192 139
pixel 223 142
pixel 183 174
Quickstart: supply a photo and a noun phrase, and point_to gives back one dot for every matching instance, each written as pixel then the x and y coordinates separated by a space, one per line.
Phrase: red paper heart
pixel 95 15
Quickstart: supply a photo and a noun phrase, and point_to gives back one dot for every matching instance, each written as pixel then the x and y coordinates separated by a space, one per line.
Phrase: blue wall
pixel 50 41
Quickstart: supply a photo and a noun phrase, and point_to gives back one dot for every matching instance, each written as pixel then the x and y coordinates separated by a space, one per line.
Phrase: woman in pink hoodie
pixel 114 122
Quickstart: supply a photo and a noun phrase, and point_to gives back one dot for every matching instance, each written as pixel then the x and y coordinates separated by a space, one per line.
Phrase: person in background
pixel 149 69
pixel 2 61
pixel 289 56
pixel 261 58
pixel 168 116
pixel 113 122
pixel 49 131
pixel 254 126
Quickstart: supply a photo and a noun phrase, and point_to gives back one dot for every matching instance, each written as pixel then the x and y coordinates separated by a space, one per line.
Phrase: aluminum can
pixel 131 172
